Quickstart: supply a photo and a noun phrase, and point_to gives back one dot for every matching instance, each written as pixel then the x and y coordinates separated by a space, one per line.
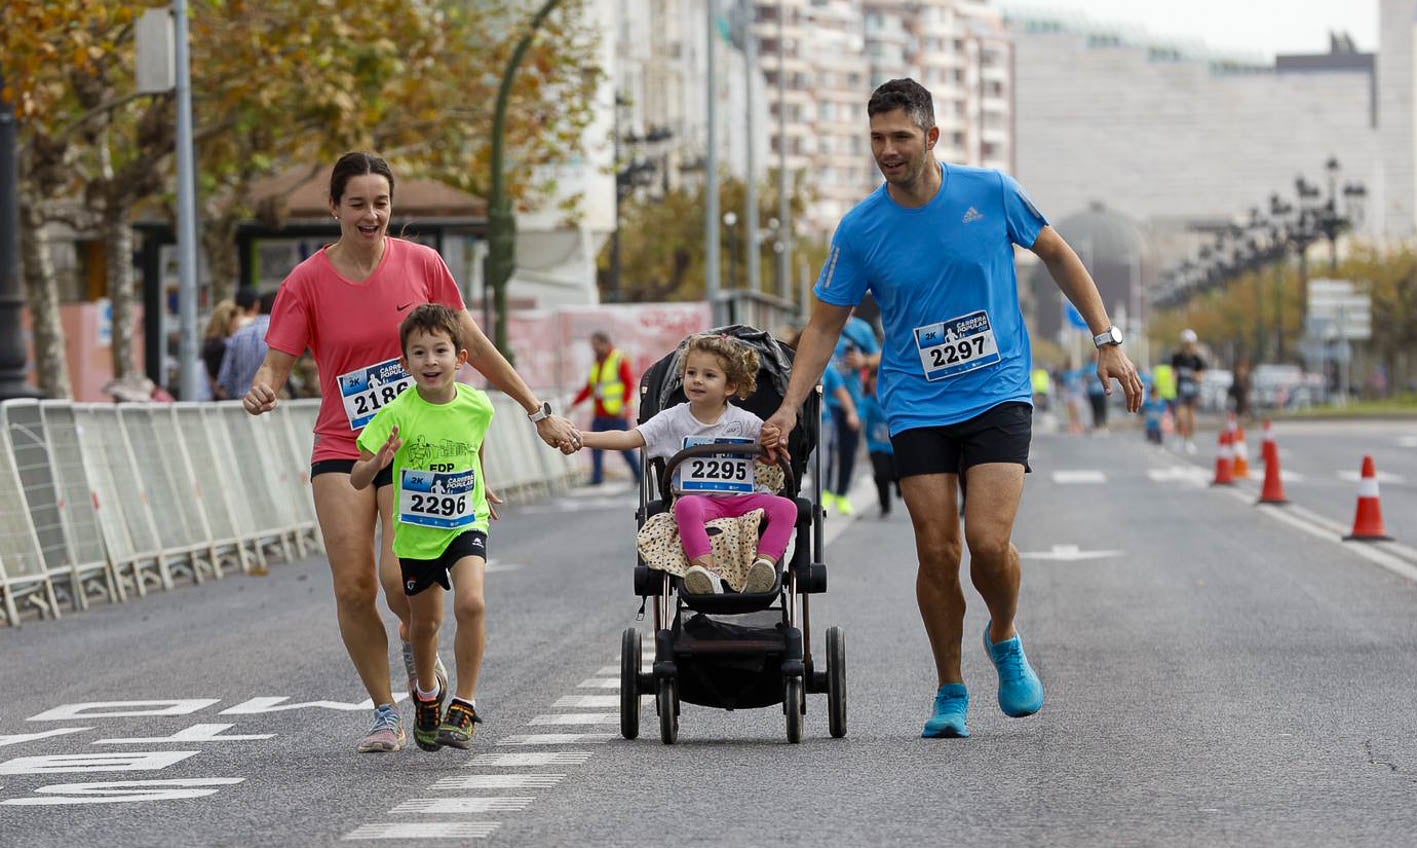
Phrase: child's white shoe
pixel 698 581
pixel 761 577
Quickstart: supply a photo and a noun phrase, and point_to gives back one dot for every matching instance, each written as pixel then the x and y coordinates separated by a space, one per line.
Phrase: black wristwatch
pixel 541 414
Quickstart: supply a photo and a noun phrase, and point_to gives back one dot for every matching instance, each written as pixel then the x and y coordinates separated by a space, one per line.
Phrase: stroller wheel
pixel 794 705
pixel 836 682
pixel 630 654
pixel 667 702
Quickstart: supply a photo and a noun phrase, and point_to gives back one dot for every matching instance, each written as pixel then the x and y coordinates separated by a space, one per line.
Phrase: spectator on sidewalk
pixel 220 328
pixel 610 383
pixel 245 352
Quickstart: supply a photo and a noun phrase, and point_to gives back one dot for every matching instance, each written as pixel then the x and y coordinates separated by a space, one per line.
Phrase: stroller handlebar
pixel 667 480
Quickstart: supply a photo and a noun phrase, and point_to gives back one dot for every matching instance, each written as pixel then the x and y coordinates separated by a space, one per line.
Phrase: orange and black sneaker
pixel 425 720
pixel 459 726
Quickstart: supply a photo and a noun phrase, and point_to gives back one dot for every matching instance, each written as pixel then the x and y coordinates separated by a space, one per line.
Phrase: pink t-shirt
pixel 353 331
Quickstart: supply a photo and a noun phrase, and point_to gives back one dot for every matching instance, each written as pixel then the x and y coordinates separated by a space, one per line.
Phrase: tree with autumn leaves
pixel 275 86
pixel 1268 302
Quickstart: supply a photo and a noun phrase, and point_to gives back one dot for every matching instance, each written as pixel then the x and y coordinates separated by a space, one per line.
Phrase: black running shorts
pixel 419 574
pixel 1001 434
pixel 345 466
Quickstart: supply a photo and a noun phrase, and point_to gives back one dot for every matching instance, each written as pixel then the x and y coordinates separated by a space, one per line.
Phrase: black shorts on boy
pixel 419 574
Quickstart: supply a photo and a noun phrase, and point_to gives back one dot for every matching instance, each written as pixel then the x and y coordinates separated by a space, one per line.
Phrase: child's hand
pixel 492 501
pixel 386 453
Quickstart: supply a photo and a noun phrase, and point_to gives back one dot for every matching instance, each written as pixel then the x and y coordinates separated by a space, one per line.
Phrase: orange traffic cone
pixel 1269 450
pixel 1368 520
pixel 1224 462
pixel 1242 454
pixel 1273 491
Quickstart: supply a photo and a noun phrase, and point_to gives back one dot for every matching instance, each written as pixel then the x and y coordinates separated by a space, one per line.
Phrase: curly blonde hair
pixel 738 360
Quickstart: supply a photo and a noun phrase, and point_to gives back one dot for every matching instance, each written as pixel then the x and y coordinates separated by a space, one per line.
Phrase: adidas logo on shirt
pixel 972 215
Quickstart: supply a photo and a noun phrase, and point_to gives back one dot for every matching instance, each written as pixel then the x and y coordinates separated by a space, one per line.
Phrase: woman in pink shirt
pixel 345 304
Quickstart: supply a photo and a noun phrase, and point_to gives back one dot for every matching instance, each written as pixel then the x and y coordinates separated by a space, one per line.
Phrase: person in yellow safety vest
pixel 610 383
pixel 1042 386
pixel 1165 378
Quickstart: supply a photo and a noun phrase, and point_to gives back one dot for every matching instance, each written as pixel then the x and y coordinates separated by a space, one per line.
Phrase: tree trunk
pixel 223 263
pixel 118 243
pixel 51 360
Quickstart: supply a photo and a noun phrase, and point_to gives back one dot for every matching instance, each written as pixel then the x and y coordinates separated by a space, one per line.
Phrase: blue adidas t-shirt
pixel 944 276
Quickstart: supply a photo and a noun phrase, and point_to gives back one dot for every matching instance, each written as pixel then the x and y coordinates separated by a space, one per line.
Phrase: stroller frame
pixel 702 653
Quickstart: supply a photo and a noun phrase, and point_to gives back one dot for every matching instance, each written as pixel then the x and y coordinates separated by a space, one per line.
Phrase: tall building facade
pixel 1397 132
pixel 1178 140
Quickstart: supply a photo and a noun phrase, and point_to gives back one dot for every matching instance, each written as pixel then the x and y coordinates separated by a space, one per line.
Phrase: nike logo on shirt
pixel 405 306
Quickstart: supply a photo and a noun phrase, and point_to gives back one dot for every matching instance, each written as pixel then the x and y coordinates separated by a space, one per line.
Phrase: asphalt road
pixel 1216 675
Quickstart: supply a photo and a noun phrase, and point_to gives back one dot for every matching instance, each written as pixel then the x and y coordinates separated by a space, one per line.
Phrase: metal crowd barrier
pixel 99 502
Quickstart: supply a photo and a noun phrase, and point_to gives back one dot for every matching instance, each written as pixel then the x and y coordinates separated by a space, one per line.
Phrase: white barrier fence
pixel 103 501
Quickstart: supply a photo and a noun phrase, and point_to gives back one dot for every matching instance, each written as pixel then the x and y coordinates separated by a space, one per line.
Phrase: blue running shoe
pixel 1020 690
pixel 951 708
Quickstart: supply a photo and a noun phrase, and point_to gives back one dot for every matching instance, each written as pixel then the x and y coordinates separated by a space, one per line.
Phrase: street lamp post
pixel 730 220
pixel 14 359
pixel 501 223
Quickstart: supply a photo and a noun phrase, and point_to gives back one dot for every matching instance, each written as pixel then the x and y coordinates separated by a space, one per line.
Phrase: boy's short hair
pixel 430 318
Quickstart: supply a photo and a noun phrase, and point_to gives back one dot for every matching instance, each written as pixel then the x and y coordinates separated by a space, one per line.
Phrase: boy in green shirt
pixel 433 435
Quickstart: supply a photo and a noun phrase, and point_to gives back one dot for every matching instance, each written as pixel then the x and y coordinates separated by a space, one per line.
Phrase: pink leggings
pixel 692 512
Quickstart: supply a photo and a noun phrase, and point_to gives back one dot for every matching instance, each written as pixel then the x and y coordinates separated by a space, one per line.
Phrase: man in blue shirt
pixel 856 350
pixel 245 352
pixel 935 246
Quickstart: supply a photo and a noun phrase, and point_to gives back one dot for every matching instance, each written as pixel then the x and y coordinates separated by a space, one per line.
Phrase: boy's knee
pixel 424 627
pixel 469 608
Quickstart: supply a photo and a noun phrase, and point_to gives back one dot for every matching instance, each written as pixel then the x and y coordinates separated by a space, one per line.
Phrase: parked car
pixel 1285 387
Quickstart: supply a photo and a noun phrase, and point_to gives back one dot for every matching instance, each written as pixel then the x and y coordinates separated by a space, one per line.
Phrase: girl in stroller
pixel 716 368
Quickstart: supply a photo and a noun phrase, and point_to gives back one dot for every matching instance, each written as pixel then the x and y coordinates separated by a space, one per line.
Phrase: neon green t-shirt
pixel 438 487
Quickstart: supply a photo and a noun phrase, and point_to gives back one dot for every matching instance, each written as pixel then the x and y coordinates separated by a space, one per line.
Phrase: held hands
pixel 558 432
pixel 1112 363
pixel 775 431
pixel 261 398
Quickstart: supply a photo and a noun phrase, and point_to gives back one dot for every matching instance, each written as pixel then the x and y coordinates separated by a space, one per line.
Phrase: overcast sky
pixel 1262 27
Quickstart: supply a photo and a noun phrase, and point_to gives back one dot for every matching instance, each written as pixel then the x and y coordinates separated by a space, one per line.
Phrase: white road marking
pixel 415 806
pixel 1070 553
pixel 587 701
pixel 195 733
pixel 549 758
pixel 614 670
pixel 1407 441
pixel 497 781
pixel 1179 474
pixel 123 791
pixel 17 738
pixel 599 683
pixel 1079 477
pixel 576 718
pixel 557 739
pixel 424 830
pixel 1317 525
